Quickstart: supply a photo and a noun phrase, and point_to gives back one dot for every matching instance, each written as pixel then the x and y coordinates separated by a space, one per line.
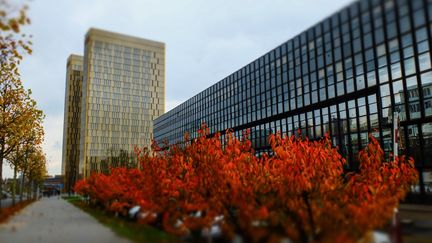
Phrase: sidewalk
pixel 54 220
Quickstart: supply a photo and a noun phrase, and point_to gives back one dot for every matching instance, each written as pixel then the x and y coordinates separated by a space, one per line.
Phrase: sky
pixel 205 42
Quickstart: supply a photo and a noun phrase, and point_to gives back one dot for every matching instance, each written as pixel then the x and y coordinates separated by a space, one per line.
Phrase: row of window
pixel 100 46
pixel 101 61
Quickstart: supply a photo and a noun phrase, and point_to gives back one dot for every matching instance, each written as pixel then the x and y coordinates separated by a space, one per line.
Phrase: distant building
pixel 53 185
pixel 123 91
pixel 72 119
pixel 346 75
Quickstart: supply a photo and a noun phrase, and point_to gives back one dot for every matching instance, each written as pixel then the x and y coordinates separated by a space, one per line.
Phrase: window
pixel 383 74
pixel 371 79
pixel 380 50
pixel 391 30
pixel 404 24
pixel 360 82
pixel 414 104
pixel 426 81
pixel 379 35
pixel 394 57
pixel 396 70
pixel 367 40
pixel 357 45
pixel 424 61
pixel 369 54
pixel 421 34
pixel 353 125
pixel 409 66
pixel 331 91
pixel 350 85
pixel 393 45
pixel 323 95
pixel 385 90
pixel 340 88
pixel 419 18
pixel 414 108
pixel 422 46
pixel 427 142
pixel 398 93
pixel 385 101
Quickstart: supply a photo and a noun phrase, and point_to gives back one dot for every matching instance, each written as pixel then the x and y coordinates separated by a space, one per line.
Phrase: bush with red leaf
pixel 301 191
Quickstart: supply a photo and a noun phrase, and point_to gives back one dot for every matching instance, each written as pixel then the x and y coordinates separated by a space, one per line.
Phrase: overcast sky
pixel 205 42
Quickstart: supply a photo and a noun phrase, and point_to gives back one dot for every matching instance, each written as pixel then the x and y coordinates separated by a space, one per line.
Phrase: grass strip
pixel 127 229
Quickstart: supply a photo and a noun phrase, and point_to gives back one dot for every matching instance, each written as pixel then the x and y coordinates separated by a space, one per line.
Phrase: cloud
pixel 170 104
pixel 52 146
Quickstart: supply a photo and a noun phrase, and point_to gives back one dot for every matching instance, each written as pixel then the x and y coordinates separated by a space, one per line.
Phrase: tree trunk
pixel 310 215
pixel 35 186
pixel 14 185
pixel 29 186
pixel 29 189
pixel 22 186
pixel 69 181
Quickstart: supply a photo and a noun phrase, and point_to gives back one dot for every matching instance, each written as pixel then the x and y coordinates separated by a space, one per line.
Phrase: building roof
pixel 122 37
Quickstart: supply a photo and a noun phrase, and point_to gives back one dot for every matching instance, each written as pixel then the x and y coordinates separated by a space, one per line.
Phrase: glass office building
pixel 123 91
pixel 346 75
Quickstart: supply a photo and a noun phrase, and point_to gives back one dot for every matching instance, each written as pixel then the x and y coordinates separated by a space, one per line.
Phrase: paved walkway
pixel 55 220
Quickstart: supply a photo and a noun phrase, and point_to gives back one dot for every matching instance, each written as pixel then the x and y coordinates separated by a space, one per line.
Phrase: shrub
pixel 300 192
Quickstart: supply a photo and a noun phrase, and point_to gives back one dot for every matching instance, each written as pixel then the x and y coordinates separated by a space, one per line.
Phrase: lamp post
pixel 396 235
pixel 395 134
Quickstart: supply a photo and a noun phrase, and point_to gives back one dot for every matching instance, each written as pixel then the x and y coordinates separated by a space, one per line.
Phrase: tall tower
pixel 123 91
pixel 72 113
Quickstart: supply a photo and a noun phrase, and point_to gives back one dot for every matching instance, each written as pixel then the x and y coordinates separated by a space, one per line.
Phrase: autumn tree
pixel 17 159
pixel 17 109
pixel 19 115
pixel 13 44
pixel 35 168
pixel 29 144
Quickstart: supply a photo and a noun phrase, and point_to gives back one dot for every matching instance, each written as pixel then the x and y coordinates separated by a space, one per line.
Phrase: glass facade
pixel 72 114
pixel 346 75
pixel 123 92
